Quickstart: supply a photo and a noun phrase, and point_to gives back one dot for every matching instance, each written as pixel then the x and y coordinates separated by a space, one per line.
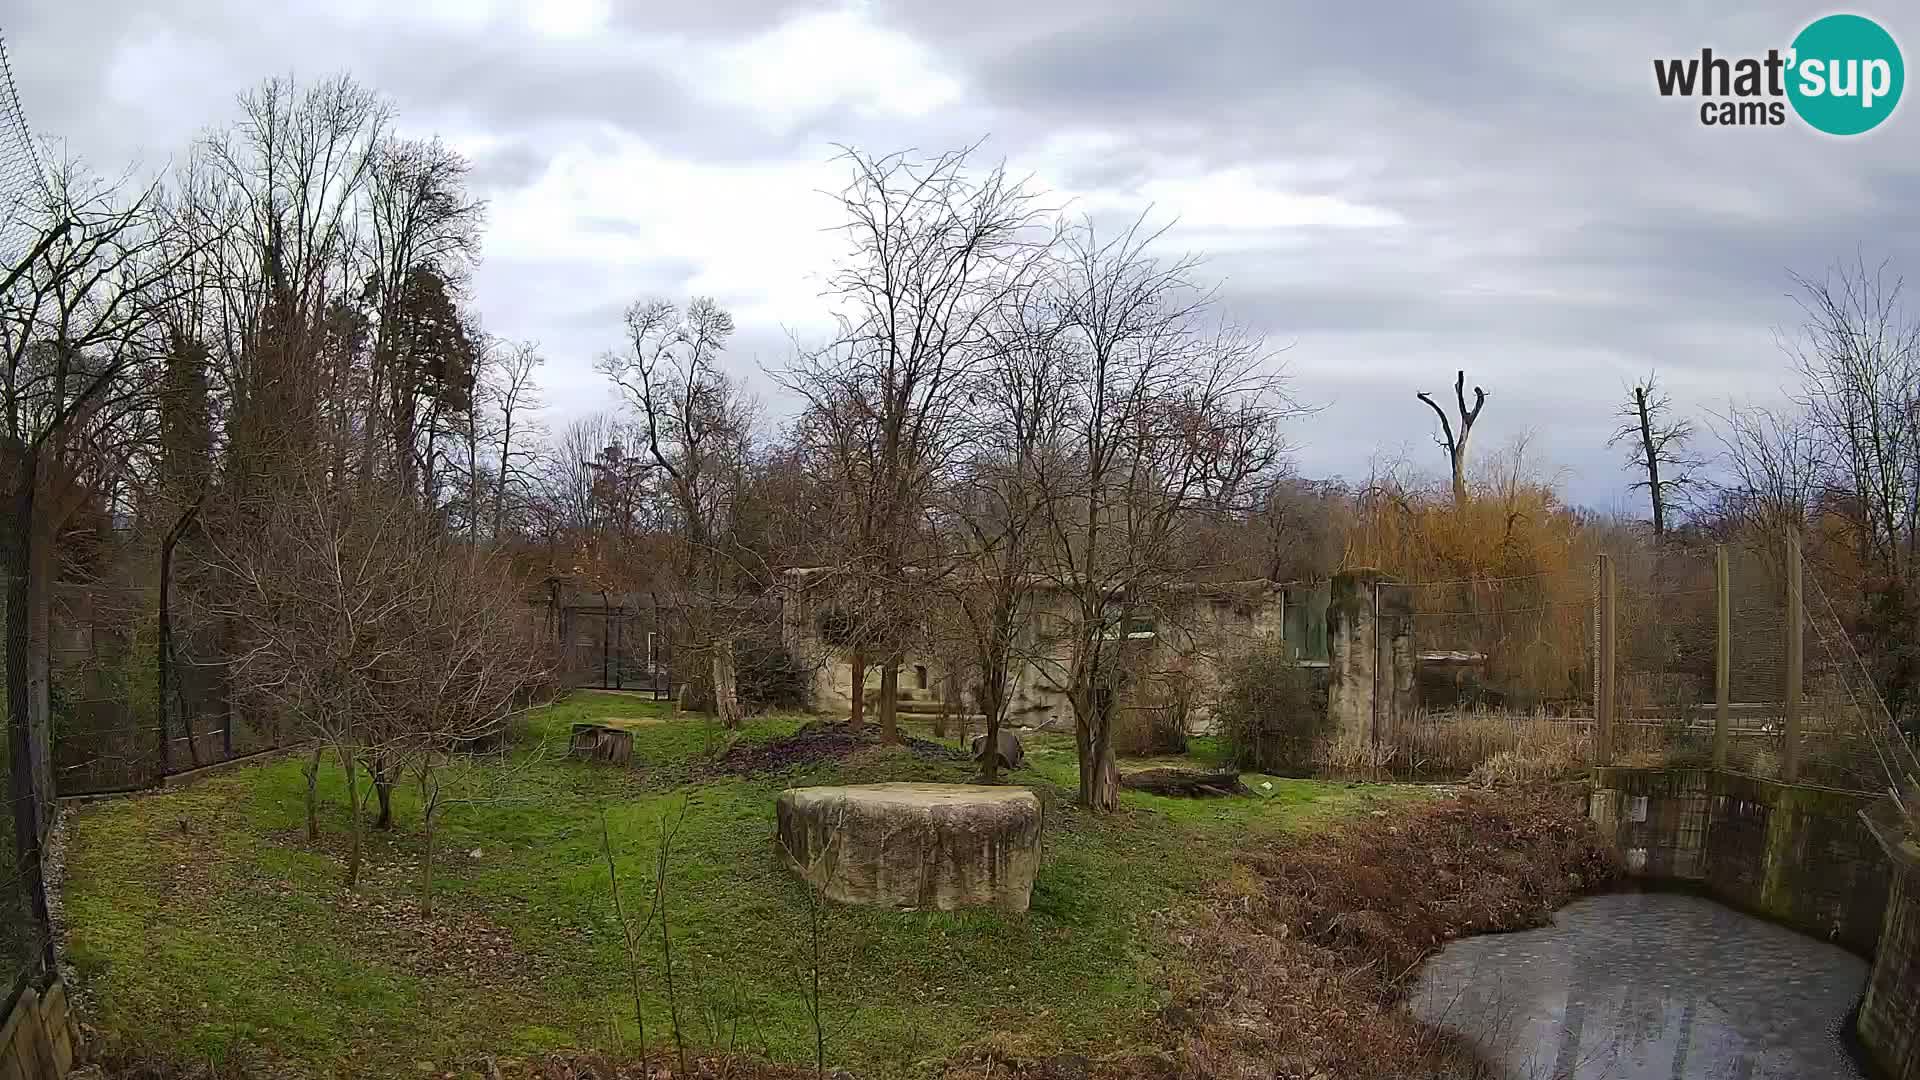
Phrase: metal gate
pixel 617 648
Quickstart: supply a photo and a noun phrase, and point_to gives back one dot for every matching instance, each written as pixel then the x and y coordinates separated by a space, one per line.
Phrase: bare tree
pixel 935 249
pixel 512 394
pixel 1456 444
pixel 1169 421
pixel 78 341
pixel 1776 469
pixel 1657 444
pixel 421 235
pixel 297 165
pixel 1858 357
pixel 992 508
pixel 374 637
pixel 697 427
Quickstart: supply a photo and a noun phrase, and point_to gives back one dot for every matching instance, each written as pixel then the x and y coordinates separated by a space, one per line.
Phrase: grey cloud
pixel 1564 226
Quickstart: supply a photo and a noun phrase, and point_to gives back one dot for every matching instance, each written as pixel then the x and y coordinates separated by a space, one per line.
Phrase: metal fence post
pixel 1722 655
pixel 1796 660
pixel 1604 703
pixel 1373 717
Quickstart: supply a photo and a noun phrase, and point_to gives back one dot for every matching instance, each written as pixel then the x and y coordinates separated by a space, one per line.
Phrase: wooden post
pixel 1796 660
pixel 1603 698
pixel 1722 655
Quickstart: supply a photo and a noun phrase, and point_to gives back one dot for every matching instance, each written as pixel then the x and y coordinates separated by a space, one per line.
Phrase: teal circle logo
pixel 1845 75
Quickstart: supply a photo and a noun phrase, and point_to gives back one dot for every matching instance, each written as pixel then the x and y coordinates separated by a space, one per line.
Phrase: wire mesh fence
pixel 113 726
pixel 24 936
pixel 614 648
pixel 21 179
pixel 1669 655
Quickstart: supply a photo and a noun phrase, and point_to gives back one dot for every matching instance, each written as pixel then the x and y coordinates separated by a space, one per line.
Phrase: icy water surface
pixel 1648 985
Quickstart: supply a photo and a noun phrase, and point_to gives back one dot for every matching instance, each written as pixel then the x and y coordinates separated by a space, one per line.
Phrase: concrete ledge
pixel 1886 1026
pixel 1798 854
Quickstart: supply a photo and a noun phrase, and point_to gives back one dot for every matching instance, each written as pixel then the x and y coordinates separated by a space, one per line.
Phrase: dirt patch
pixel 815 742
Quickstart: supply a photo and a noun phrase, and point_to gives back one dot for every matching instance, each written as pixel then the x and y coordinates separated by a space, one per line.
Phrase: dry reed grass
pixel 1486 746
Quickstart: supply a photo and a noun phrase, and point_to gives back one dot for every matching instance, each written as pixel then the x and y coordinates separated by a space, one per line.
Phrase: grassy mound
pixel 207 931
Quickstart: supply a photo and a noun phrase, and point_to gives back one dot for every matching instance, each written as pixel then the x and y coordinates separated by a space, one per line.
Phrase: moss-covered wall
pixel 1889 1023
pixel 1794 853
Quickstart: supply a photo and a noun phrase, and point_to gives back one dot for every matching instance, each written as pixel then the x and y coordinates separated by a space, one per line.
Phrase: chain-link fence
pixel 1668 655
pixel 21 180
pixel 121 718
pixel 1733 655
pixel 1502 673
pixel 24 932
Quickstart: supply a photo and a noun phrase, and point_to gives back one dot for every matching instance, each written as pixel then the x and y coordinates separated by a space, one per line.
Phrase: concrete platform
pixel 941 846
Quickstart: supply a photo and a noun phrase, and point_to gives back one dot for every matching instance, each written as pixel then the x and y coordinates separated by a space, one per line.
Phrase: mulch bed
pixel 816 742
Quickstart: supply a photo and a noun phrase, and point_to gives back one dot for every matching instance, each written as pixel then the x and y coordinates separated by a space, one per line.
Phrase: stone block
pixel 943 846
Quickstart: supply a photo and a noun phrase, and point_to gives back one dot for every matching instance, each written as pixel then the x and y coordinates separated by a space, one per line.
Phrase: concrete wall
pixel 1889 1023
pixel 36 1040
pixel 1371 659
pixel 1834 864
pixel 1194 629
pixel 1794 853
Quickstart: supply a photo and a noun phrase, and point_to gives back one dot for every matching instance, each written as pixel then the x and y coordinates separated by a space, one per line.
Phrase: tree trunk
pixel 429 803
pixel 39 655
pixel 949 699
pixel 1099 772
pixel 990 704
pixel 15 541
pixel 857 711
pixel 354 828
pixel 311 770
pixel 426 866
pixel 966 721
pixel 726 690
pixel 889 700
pixel 1652 455
pixel 164 660
pixel 383 774
pixel 1458 458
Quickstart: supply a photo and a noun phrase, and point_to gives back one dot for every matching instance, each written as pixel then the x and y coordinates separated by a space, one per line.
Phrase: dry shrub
pixel 1302 974
pixel 1346 757
pixel 1270 712
pixel 1153 719
pixel 1509 767
pixel 1530 746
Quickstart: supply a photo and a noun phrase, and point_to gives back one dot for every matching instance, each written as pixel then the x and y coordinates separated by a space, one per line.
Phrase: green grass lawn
pixel 205 927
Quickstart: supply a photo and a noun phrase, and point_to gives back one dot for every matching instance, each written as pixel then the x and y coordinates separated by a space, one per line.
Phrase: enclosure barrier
pixel 1727 655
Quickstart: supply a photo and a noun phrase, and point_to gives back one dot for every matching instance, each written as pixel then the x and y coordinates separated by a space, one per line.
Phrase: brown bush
pixel 1488 745
pixel 1304 969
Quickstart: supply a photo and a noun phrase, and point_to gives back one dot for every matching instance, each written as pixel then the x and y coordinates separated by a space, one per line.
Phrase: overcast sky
pixel 1387 191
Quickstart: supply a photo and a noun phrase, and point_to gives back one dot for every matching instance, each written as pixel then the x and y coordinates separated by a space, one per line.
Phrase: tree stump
pixel 942 846
pixel 599 742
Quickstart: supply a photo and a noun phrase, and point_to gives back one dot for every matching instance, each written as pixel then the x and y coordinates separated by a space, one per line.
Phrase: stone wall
pixel 1186 633
pixel 1371 659
pixel 37 1041
pixel 1887 1026
pixel 1794 853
